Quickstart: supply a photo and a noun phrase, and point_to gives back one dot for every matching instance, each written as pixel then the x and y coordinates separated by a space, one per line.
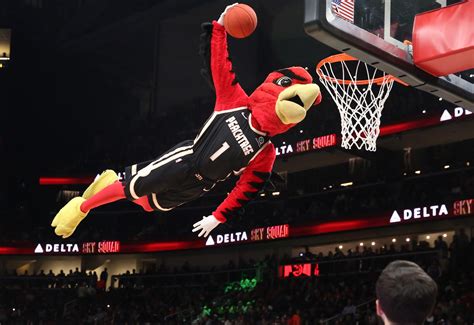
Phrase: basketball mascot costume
pixel 234 140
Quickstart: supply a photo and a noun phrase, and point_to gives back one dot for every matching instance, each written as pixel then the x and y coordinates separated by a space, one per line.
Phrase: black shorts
pixel 168 181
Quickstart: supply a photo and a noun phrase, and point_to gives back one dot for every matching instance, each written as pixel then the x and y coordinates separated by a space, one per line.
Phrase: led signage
pixel 463 207
pixel 227 238
pixel 102 247
pixel 269 233
pixel 284 150
pixel 56 248
pixel 458 112
pixel 429 213
pixel 257 234
pixel 417 213
pixel 298 270
pixel 308 145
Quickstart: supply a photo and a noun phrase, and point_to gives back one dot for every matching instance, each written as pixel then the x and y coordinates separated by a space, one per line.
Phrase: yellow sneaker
pixel 105 179
pixel 68 218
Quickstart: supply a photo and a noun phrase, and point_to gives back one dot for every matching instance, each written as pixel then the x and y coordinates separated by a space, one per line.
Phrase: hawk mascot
pixel 234 140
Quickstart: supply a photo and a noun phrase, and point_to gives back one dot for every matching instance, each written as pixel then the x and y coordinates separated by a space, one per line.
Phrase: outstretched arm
pixel 250 183
pixel 229 94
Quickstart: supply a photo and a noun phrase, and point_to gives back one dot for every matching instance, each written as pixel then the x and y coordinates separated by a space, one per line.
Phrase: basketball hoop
pixel 360 94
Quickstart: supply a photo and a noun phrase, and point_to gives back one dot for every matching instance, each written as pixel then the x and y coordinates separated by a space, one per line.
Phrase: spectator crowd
pixel 343 293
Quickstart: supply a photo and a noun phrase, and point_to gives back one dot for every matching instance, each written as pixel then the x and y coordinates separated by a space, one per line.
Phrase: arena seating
pixel 247 293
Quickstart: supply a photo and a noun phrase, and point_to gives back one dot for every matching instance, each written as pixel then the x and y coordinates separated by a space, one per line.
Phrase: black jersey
pixel 226 143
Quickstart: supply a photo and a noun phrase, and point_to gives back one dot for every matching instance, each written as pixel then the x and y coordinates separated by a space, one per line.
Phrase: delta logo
pixel 57 248
pixel 418 213
pixel 227 238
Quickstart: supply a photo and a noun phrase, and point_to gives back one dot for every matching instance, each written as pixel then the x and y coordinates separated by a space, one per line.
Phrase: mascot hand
pixel 221 18
pixel 206 225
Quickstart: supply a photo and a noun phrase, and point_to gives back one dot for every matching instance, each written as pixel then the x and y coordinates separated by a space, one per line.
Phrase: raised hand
pixel 221 18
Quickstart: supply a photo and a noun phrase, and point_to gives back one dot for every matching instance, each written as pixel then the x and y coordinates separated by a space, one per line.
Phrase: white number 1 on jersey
pixel 220 151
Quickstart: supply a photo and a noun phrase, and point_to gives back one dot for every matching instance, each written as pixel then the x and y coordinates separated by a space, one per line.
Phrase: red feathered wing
pixel 250 183
pixel 229 94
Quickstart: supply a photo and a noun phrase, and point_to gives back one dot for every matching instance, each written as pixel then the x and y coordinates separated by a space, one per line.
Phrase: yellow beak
pixel 294 101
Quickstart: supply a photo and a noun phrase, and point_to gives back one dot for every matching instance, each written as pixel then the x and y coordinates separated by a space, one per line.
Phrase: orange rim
pixel 346 57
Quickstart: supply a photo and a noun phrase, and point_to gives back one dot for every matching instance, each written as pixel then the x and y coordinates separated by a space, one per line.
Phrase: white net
pixel 359 92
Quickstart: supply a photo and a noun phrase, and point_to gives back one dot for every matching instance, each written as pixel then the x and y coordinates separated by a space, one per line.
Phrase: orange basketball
pixel 240 21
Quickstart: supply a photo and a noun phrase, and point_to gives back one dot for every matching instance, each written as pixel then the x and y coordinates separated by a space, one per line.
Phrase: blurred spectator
pixel 104 275
pixel 405 294
pixel 441 245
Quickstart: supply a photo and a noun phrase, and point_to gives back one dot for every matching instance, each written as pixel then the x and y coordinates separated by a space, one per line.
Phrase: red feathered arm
pixel 250 183
pixel 229 94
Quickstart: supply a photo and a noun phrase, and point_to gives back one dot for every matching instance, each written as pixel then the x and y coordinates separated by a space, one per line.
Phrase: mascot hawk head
pixel 283 99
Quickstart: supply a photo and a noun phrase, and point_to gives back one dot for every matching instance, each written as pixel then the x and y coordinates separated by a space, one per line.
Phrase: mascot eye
pixel 283 81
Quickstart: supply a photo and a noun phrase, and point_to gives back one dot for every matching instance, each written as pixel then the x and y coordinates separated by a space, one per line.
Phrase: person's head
pixel 405 294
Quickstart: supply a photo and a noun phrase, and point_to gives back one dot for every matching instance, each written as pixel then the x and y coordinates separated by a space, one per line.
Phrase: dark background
pixel 103 84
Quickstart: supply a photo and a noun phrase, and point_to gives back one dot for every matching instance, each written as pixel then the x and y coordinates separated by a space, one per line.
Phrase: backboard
pixel 376 31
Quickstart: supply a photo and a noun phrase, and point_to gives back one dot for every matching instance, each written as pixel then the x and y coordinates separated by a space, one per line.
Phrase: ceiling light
pixel 361 244
pixel 418 172
pixel 407 240
pixel 276 193
pixel 445 235
pixel 446 166
pixel 340 246
pixel 347 184
pixel 372 243
pixel 394 240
